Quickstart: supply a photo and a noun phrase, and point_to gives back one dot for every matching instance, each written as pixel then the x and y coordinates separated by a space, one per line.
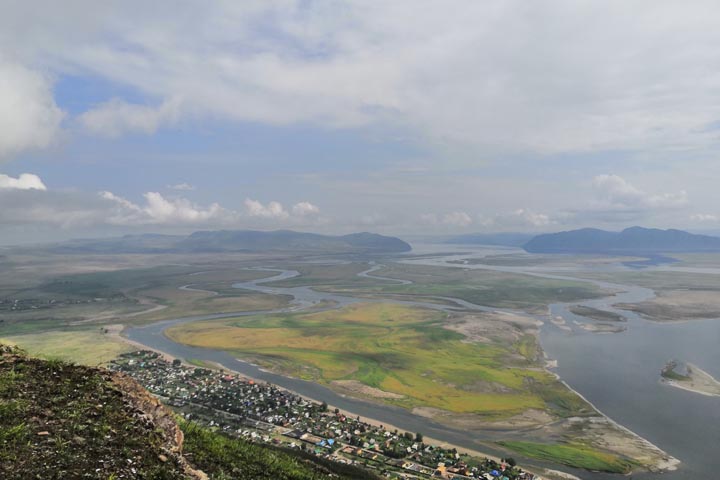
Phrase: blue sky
pixel 402 117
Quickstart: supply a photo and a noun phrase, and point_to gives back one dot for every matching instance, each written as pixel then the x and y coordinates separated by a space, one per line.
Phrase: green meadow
pixel 573 455
pixel 398 349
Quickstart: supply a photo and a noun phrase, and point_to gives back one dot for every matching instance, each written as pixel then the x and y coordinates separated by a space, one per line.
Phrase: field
pixel 481 287
pixel 86 347
pixel 395 349
pixel 58 292
pixel 679 295
pixel 573 455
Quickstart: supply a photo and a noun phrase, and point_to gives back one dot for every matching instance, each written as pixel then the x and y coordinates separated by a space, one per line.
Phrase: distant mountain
pixel 238 241
pixel 634 240
pixel 503 239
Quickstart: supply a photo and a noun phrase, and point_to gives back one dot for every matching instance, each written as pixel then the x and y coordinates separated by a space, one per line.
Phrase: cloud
pixel 273 210
pixel 159 210
pixel 116 117
pixel 519 219
pixel 460 219
pixel 182 187
pixel 532 76
pixel 452 219
pixel 617 193
pixel 29 117
pixel 26 200
pixel 303 209
pixel 47 208
pixel 26 181
pixel 704 218
pixel 524 217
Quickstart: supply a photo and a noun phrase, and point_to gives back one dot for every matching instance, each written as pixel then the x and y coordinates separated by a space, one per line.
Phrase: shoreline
pixel 669 463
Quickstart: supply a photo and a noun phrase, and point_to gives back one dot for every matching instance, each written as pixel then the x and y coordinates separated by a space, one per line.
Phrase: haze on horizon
pixel 402 117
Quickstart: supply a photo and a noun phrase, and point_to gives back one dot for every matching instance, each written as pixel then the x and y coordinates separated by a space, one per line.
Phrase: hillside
pixel 59 421
pixel 237 241
pixel 632 241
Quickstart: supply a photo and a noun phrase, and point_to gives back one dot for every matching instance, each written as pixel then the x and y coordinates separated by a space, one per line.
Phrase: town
pixel 264 413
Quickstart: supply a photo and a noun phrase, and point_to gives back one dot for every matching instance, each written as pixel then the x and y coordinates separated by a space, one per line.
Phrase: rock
pixel 163 458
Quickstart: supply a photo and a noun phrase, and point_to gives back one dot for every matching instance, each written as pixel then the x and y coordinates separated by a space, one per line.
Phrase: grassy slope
pixel 86 347
pixel 226 458
pixel 394 348
pixel 91 432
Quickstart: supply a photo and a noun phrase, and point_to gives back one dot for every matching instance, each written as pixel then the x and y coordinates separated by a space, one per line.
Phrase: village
pixel 264 413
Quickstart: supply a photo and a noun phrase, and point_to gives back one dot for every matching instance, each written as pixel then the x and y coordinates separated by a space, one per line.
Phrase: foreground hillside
pixel 60 421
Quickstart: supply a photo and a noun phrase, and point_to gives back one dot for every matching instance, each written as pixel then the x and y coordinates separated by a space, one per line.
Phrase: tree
pixel 419 437
pixel 177 362
pixel 409 436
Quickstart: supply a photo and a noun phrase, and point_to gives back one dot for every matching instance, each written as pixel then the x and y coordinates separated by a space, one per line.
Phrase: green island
pixel 404 355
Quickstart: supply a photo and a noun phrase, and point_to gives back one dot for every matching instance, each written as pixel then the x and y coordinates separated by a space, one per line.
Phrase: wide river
pixel 618 373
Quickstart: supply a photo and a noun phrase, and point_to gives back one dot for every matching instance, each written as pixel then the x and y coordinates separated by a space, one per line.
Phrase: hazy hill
pixel 634 240
pixel 238 241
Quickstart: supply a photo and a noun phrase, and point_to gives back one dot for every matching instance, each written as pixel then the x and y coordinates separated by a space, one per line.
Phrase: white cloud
pixel 116 117
pixel 29 117
pixel 451 219
pixel 26 200
pixel 458 219
pixel 522 218
pixel 616 192
pixel 182 187
pixel 273 210
pixel 303 209
pixel 514 75
pixel 26 181
pixel 704 218
pixel 160 210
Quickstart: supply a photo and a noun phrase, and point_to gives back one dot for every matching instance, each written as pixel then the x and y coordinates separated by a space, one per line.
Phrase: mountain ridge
pixel 219 241
pixel 632 240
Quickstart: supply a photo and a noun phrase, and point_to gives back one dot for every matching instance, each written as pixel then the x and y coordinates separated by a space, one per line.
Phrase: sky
pixel 400 117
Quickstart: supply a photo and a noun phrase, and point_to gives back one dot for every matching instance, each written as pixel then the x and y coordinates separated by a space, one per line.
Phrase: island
pixel 690 377
pixel 596 314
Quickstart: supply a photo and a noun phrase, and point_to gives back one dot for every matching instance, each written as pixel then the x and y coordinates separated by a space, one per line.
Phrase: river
pixel 618 372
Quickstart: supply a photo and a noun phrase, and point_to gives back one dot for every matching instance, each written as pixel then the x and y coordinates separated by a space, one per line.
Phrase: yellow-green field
pixel 394 348
pixel 574 455
pixel 86 347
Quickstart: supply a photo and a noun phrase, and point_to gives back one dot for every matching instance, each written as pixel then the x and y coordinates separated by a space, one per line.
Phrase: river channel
pixel 618 373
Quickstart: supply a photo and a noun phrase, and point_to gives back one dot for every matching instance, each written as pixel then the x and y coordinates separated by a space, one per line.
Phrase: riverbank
pixel 657 459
